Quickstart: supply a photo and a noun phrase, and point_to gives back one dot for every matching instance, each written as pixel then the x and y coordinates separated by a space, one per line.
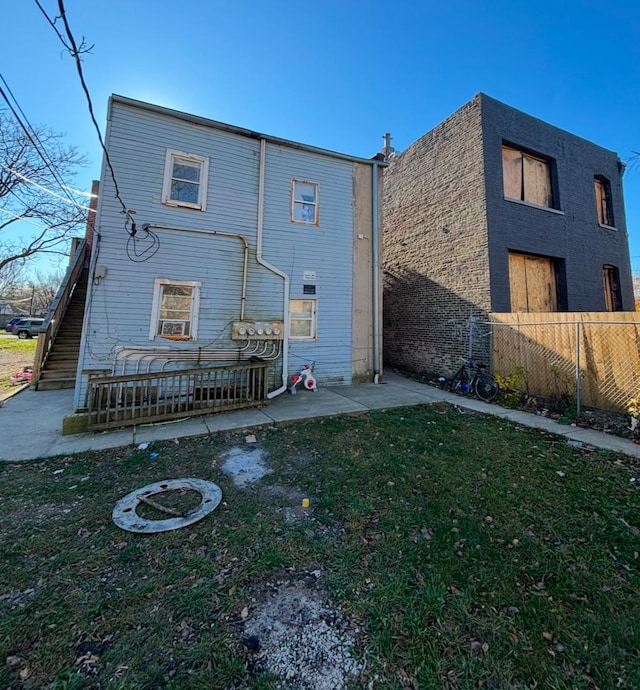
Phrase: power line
pixel 74 51
pixel 31 132
pixel 44 189
pixel 150 242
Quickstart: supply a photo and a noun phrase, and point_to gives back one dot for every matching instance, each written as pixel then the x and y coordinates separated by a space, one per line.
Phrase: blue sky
pixel 337 74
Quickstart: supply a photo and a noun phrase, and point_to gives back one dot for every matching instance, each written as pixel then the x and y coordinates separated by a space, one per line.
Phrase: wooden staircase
pixel 60 366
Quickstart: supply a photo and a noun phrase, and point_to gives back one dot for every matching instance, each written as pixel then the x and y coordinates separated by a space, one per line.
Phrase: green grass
pixel 471 552
pixel 13 350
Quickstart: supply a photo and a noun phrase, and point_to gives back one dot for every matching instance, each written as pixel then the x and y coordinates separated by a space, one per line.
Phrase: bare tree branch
pixel 26 161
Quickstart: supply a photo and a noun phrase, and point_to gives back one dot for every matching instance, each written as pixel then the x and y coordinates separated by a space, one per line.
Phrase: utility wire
pixel 31 133
pixel 73 49
pixel 44 189
pixel 149 244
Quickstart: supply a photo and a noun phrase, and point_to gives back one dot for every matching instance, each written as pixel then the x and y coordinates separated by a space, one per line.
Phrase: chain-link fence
pixel 591 358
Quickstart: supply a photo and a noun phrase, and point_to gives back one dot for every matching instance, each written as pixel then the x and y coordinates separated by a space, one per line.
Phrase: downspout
pixel 375 282
pixel 277 271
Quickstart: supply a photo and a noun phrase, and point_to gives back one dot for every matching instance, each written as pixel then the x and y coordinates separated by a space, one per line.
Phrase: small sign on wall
pixel 309 275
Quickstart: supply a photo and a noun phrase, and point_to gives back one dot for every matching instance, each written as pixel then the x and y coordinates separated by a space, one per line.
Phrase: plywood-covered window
pixel 532 283
pixel 305 202
pixel 612 293
pixel 603 200
pixel 174 313
pixel 185 180
pixel 527 177
pixel 303 321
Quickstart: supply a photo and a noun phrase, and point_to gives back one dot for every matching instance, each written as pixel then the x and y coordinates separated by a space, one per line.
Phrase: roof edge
pixel 233 129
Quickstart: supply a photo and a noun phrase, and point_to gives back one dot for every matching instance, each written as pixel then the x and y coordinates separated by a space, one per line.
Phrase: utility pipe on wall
pixel 375 281
pixel 242 238
pixel 277 271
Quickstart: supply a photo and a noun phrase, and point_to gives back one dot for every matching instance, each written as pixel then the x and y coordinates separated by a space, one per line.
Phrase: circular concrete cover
pixel 125 516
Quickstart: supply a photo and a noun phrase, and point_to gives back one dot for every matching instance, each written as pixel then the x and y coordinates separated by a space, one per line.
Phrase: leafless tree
pixel 32 220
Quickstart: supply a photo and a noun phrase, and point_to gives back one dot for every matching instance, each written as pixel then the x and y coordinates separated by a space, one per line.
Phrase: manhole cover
pixel 126 517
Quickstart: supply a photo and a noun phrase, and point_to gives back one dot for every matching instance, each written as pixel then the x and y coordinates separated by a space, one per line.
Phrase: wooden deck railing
pixel 116 401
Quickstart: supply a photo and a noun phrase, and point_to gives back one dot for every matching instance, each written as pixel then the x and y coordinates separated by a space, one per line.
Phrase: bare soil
pixel 11 360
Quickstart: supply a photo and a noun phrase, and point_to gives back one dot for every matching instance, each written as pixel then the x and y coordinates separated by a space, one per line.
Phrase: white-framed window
pixel 304 202
pixel 174 313
pixel 185 180
pixel 303 319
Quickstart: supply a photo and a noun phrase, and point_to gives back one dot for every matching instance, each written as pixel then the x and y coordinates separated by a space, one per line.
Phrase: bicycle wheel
pixel 486 387
pixel 460 382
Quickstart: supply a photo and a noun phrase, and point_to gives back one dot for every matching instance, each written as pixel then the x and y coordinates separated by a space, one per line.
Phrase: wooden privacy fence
pixel 115 401
pixel 593 357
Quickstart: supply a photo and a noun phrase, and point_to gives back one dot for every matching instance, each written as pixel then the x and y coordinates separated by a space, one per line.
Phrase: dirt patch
pixel 245 465
pixel 293 632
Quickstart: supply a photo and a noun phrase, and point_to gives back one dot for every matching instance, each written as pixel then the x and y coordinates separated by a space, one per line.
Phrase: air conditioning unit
pixel 173 328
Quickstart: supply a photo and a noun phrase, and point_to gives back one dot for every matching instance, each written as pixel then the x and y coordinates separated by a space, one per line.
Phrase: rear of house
pixel 222 246
pixel 496 211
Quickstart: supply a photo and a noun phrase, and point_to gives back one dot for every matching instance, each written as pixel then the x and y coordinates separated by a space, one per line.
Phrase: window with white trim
pixel 185 180
pixel 304 202
pixel 174 313
pixel 303 322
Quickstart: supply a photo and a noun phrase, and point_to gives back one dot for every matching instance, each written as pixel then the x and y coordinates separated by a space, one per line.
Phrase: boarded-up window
pixel 532 283
pixel 612 294
pixel 603 200
pixel 526 177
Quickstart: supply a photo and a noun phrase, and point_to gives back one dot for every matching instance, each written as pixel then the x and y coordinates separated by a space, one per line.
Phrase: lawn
pixel 440 549
pixel 15 354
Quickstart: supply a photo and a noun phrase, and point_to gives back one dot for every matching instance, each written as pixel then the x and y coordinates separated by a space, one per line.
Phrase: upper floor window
pixel 174 313
pixel 527 177
pixel 603 200
pixel 185 180
pixel 304 202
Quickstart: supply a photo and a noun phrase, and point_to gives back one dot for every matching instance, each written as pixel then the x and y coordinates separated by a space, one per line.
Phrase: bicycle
pixel 470 378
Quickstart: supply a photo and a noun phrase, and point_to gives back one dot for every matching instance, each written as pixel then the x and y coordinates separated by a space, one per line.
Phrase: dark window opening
pixel 603 200
pixel 612 292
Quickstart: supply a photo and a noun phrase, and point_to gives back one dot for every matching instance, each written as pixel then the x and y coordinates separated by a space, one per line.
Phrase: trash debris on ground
pixel 125 516
pixel 20 377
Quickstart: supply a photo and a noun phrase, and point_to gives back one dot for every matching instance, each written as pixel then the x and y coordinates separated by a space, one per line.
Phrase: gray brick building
pixel 496 211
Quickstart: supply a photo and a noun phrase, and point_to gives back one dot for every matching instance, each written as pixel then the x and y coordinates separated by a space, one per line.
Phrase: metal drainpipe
pixel 375 282
pixel 277 271
pixel 242 238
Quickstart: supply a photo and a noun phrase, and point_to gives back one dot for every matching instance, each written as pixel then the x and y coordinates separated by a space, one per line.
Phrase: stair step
pixel 56 384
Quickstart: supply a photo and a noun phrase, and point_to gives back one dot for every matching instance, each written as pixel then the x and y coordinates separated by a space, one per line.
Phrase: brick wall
pixel 448 231
pixel 436 247
pixel 572 234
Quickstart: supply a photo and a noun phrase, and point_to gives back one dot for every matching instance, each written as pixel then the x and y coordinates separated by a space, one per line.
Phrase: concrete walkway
pixel 31 421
